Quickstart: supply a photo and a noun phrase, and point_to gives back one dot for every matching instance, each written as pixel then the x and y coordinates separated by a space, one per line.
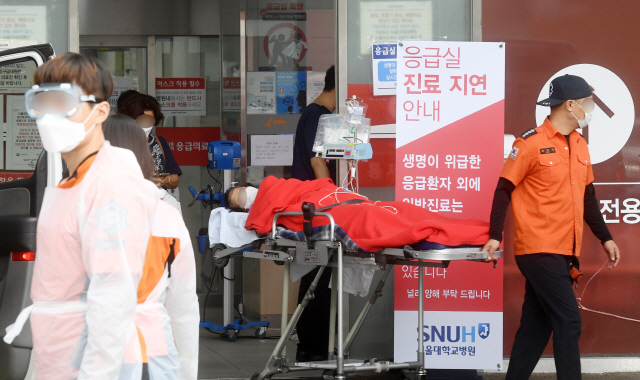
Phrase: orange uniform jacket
pixel 548 200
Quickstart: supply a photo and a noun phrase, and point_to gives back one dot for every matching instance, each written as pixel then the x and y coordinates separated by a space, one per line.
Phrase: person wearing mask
pixel 167 314
pixel 92 232
pixel 548 179
pixel 313 325
pixel 146 111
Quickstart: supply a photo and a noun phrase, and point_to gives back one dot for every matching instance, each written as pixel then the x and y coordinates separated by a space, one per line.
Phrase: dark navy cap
pixel 566 87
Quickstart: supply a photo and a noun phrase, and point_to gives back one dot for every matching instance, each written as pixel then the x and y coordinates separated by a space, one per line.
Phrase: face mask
pixel 252 193
pixel 246 197
pixel 61 135
pixel 147 131
pixel 583 123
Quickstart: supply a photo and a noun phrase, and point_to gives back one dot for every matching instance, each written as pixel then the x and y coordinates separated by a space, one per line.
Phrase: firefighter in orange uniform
pixel 548 178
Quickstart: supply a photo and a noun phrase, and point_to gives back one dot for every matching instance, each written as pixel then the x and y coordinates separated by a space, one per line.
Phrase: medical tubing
pixel 210 175
pixel 597 311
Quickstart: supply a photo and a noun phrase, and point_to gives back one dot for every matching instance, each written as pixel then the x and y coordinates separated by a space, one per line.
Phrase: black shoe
pixel 319 356
pixel 303 355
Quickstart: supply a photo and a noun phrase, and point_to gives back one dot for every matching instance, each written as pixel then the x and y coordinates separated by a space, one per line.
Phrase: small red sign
pixel 189 144
pixel 9 176
pixel 180 83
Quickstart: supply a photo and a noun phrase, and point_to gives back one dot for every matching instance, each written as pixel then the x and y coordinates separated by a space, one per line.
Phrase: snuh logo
pixel 453 334
pixel 483 330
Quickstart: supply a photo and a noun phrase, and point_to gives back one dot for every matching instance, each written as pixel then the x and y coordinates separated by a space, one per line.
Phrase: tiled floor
pixel 222 359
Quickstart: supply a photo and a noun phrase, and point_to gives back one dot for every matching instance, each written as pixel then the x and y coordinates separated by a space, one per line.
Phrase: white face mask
pixel 147 131
pixel 61 135
pixel 252 193
pixel 583 123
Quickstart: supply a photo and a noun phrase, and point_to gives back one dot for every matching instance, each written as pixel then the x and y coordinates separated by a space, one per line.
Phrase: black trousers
pixel 549 306
pixel 313 325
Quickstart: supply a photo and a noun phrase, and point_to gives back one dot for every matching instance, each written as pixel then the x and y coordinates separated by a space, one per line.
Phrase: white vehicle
pixel 20 202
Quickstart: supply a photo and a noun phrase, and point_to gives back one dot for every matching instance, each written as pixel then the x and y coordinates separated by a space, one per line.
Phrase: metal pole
pixel 228 286
pixel 421 370
pixel 340 361
pixel 243 96
pixel 332 312
pixel 285 302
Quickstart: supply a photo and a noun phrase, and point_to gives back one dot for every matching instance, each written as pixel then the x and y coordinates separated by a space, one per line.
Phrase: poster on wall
pixel 261 92
pixel 23 140
pixel 315 85
pixel 24 22
pixel 182 96
pixel 120 85
pixel 450 96
pixel 384 58
pixel 393 21
pixel 231 94
pixel 291 91
pixel 282 33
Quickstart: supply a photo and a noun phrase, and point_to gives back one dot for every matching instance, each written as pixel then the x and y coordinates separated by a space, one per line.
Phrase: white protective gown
pixel 92 238
pixel 167 314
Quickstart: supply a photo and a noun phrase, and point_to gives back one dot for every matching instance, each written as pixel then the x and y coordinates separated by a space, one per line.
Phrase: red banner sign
pixel 189 144
pixel 8 177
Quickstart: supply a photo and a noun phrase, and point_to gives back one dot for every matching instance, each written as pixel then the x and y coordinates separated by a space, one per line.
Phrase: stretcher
pixel 329 252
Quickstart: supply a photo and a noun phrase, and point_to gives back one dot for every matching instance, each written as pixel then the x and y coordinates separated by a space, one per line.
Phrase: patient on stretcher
pixel 371 225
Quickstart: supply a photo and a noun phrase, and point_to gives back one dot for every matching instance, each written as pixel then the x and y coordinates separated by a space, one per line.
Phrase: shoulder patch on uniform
pixel 529 133
pixel 514 153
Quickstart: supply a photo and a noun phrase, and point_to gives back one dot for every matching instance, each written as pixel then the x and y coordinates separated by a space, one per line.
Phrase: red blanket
pixel 371 225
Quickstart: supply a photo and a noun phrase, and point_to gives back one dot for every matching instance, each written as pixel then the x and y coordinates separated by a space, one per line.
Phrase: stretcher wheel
pixel 220 263
pixel 233 335
pixel 261 332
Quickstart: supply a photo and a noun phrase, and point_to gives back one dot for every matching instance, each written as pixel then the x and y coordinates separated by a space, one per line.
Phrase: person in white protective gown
pixel 167 314
pixel 92 234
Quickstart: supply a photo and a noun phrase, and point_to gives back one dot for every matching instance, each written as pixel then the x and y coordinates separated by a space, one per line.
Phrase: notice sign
pixel 261 92
pixel 24 22
pixel 449 154
pixel 189 144
pixel 16 78
pixel 182 96
pixel 231 94
pixel 23 140
pixel 384 69
pixel 271 150
pixel 394 20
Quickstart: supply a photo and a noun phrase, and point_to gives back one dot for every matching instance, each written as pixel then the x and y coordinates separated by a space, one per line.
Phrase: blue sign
pixel 291 91
pixel 385 51
pixel 387 71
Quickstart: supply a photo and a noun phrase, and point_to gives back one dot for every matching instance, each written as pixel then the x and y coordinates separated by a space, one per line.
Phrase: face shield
pixel 56 99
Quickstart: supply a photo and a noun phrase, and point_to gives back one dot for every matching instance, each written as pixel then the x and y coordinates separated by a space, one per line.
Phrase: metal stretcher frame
pixel 285 250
